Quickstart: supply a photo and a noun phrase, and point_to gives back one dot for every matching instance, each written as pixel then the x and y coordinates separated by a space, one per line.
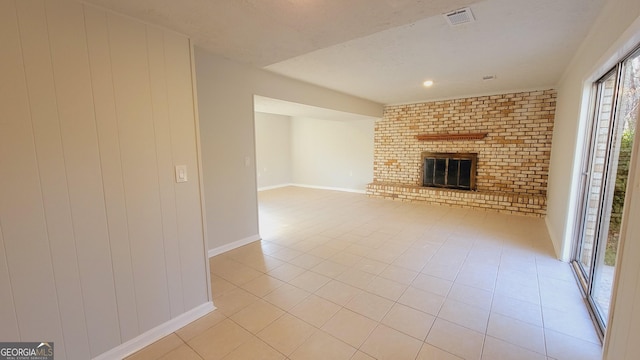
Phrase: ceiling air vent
pixel 460 16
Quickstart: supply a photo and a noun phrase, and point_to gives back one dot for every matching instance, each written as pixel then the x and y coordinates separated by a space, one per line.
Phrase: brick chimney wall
pixel 513 158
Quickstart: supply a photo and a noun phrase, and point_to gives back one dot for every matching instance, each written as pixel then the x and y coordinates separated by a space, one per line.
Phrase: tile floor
pixel 342 276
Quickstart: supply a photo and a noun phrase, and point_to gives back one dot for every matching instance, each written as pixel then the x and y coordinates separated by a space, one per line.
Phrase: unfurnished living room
pixel 314 179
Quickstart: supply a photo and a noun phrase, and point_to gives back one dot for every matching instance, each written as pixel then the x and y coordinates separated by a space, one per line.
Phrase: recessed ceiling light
pixel 428 83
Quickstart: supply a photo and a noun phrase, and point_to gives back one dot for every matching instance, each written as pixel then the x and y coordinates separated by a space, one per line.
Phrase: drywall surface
pixel 273 150
pixel 332 154
pixel 225 106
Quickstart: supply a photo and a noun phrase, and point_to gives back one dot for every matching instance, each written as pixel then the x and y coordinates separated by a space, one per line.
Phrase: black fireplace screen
pixel 456 171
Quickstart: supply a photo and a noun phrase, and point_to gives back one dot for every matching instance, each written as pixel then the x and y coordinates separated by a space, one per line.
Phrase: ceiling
pixel 382 50
pixel 276 106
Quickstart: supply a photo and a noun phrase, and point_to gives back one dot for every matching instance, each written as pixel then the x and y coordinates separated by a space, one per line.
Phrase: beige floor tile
pixel 430 352
pixel 329 268
pixel 574 323
pixel 233 301
pixel 409 321
pixel 359 250
pixel 315 310
pixel 286 254
pixel 516 332
pixel 254 349
pixel 338 292
pixel 386 288
pixel 257 316
pixel 371 266
pixel 158 348
pixel 514 287
pixel 324 251
pixel 286 272
pixel 310 281
pixel 370 305
pixel 359 355
pixel 286 296
pixel 346 258
pixel 218 341
pixel 264 263
pixel 456 339
pixel 286 333
pixel 432 284
pixel 386 256
pixel 517 309
pixel 386 343
pixel 306 261
pixel 498 349
pixel 235 272
pixel 478 275
pixel 357 278
pixel 422 300
pixel 399 274
pixel 350 327
pixel 262 285
pixel 187 333
pixel 321 346
pixel 183 352
pixel 470 295
pixel 469 316
pixel 348 249
pixel 442 269
pixel 219 286
pixel 564 347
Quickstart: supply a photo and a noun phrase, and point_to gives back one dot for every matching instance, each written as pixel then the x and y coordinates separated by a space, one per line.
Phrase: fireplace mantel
pixel 449 136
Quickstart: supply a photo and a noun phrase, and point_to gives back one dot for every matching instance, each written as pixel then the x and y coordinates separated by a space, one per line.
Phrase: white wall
pixel 225 98
pixel 614 34
pixel 600 50
pixel 273 150
pixel 332 154
pixel 98 244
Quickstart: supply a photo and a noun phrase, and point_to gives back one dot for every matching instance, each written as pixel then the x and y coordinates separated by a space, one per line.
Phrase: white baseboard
pixel 157 333
pixel 236 244
pixel 357 191
pixel 273 187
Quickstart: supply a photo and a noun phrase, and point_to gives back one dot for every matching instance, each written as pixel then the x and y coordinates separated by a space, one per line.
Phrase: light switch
pixel 181 173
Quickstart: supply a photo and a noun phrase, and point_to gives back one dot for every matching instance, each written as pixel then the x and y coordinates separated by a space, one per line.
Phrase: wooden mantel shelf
pixel 439 137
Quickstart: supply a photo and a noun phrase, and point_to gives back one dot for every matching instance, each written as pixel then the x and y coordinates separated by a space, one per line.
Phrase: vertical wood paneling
pixel 139 163
pixel 21 207
pixel 9 329
pixel 82 160
pixel 51 165
pixel 97 242
pixel 106 122
pixel 155 44
pixel 183 134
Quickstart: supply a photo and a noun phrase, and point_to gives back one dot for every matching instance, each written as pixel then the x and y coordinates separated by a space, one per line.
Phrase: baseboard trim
pixel 157 333
pixel 329 188
pixel 236 244
pixel 273 187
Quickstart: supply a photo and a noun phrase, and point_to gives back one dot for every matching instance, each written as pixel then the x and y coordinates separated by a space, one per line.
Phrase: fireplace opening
pixel 449 170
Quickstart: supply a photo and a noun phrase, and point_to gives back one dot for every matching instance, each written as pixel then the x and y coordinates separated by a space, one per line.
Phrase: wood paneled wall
pixel 98 243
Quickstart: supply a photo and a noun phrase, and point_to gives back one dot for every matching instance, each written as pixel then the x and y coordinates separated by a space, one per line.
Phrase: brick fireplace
pixel 509 133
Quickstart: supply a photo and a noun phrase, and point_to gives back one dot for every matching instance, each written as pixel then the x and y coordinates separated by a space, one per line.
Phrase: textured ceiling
pixel 382 50
pixel 263 32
